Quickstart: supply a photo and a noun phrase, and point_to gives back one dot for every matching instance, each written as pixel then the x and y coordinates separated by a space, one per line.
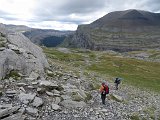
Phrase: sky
pixel 65 14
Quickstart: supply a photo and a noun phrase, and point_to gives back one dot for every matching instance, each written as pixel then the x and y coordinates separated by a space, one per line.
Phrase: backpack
pixel 117 81
pixel 106 90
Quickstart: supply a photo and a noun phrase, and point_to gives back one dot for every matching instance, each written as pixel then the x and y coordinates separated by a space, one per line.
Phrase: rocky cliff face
pixel 19 54
pixel 80 39
pixel 120 31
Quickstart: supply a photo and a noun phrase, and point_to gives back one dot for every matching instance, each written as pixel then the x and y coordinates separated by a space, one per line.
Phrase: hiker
pixel 117 82
pixel 104 90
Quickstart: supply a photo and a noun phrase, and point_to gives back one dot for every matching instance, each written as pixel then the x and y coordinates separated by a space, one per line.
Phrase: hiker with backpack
pixel 104 90
pixel 117 82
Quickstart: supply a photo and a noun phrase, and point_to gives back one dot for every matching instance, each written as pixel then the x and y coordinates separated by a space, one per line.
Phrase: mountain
pixel 127 19
pixel 120 31
pixel 46 37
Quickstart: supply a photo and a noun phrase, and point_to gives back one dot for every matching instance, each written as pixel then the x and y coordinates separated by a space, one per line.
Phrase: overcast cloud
pixel 65 14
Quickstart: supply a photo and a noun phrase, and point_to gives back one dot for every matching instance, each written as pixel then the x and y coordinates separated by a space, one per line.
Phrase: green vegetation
pixel 151 112
pixel 94 85
pixel 135 72
pixel 111 96
pixel 139 73
pixel 152 54
pixel 2 41
pixel 148 111
pixel 76 97
pixel 155 55
pixel 89 97
pixel 134 117
pixel 55 54
pixel 50 74
pixel 14 74
pixel 2 45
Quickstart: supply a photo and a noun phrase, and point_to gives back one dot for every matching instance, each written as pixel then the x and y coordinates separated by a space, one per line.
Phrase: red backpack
pixel 106 89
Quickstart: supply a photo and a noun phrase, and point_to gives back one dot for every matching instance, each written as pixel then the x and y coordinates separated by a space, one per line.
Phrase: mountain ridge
pixel 120 31
pixel 133 14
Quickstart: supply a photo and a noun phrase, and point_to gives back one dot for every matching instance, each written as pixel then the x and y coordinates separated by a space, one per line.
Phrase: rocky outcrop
pixel 28 47
pixel 80 39
pixel 119 31
pixel 19 54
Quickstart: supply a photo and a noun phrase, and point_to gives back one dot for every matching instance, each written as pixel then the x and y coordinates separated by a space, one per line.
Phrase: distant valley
pixel 43 37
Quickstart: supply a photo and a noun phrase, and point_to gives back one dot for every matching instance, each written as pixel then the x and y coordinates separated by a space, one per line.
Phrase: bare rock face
pixel 19 54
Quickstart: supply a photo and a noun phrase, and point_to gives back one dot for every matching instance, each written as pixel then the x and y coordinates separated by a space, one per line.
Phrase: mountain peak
pixel 129 18
pixel 133 14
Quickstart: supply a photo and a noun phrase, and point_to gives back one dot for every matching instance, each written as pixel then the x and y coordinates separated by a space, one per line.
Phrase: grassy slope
pixel 135 72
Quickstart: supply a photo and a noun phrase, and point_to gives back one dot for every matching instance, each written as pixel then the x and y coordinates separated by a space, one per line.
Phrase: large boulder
pixel 11 61
pixel 37 102
pixel 20 54
pixel 21 41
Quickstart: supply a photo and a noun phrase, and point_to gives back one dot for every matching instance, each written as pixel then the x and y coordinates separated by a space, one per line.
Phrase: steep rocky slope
pixel 120 31
pixel 44 100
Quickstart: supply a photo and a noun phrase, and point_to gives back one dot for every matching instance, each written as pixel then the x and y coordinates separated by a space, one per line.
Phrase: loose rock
pixel 32 111
pixel 26 98
pixel 55 107
pixel 37 102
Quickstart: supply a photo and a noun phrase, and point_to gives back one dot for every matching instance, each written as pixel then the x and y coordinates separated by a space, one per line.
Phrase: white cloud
pixel 54 24
pixel 15 22
pixel 21 9
pixel 65 14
